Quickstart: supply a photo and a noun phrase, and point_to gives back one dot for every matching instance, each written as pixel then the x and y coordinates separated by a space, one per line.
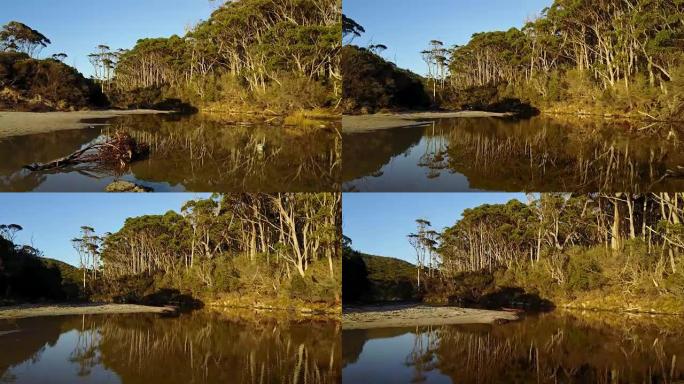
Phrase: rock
pixel 126 186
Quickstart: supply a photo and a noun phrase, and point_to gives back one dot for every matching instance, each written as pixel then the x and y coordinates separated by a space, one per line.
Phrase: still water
pixel 548 348
pixel 199 347
pixel 539 154
pixel 188 153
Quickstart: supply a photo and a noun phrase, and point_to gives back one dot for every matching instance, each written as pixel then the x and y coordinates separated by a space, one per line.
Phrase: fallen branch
pixel 116 151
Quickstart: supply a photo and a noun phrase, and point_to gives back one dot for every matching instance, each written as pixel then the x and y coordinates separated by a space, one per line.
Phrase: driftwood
pixel 116 151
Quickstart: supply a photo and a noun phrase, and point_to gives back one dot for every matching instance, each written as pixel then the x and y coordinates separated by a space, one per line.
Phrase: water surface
pixel 537 155
pixel 199 347
pixel 188 153
pixel 549 348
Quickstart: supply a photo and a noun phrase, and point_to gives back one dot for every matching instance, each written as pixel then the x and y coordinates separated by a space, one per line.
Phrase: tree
pixel 88 248
pixel 16 36
pixel 377 48
pixel 424 242
pixel 59 56
pixel 9 231
pixel 351 28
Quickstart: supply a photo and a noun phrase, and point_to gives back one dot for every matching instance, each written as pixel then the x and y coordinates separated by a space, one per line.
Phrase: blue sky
pixel 378 223
pixel 76 27
pixel 51 220
pixel 407 26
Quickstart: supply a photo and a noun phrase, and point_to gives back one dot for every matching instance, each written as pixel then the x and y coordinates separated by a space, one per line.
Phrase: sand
pixel 22 311
pixel 27 123
pixel 389 316
pixel 365 123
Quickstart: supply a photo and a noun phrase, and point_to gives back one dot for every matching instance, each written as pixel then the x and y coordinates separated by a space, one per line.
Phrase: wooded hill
pixel 372 84
pixel 254 54
pixel 28 84
pixel 277 250
pixel 239 248
pixel 25 275
pixel 603 57
pixel 248 56
pixel 606 250
pixel 368 278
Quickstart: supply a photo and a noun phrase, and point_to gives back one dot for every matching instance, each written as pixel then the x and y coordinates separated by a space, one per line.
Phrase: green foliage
pixel 579 55
pixel 561 247
pixel 255 54
pixel 16 36
pixel 584 271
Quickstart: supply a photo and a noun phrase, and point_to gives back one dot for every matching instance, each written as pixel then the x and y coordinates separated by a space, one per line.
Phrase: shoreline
pixel 29 123
pixel 39 310
pixel 412 315
pixel 300 308
pixel 382 121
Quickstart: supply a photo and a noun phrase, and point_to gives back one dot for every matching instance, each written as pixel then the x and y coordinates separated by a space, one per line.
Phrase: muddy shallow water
pixel 549 348
pixel 199 347
pixel 496 154
pixel 188 153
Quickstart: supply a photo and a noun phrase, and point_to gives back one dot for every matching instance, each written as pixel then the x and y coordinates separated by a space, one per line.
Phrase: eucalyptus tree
pixel 88 248
pixel 273 236
pixel 16 36
pixel 351 29
pixel 256 42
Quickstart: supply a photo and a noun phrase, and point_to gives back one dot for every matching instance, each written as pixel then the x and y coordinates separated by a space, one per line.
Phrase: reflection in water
pixel 539 154
pixel 193 348
pixel 194 153
pixel 549 348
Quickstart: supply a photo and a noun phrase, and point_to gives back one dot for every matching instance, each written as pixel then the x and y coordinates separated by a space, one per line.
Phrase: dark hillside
pixel 371 84
pixel 369 278
pixel 28 84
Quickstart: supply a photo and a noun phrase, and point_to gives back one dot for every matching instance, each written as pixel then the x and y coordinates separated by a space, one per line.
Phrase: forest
pixel 604 57
pixel 274 57
pixel 621 57
pixel 256 54
pixel 602 251
pixel 273 250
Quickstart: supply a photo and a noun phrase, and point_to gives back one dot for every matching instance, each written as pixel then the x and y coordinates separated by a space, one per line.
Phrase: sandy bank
pixel 27 123
pixel 365 123
pixel 418 315
pixel 21 311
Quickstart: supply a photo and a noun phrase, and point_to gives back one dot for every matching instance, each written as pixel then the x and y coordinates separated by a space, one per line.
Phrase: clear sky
pixel 407 26
pixel 76 27
pixel 378 223
pixel 51 220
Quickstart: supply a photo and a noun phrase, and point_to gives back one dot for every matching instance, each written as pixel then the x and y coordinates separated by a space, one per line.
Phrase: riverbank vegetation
pixel 606 57
pixel 252 250
pixel 599 251
pixel 619 57
pixel 252 56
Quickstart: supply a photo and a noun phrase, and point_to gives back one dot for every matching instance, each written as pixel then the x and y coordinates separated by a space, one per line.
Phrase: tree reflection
pixel 552 348
pixel 200 347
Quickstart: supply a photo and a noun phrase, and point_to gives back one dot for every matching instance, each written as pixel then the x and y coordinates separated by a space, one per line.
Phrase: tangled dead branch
pixel 114 151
